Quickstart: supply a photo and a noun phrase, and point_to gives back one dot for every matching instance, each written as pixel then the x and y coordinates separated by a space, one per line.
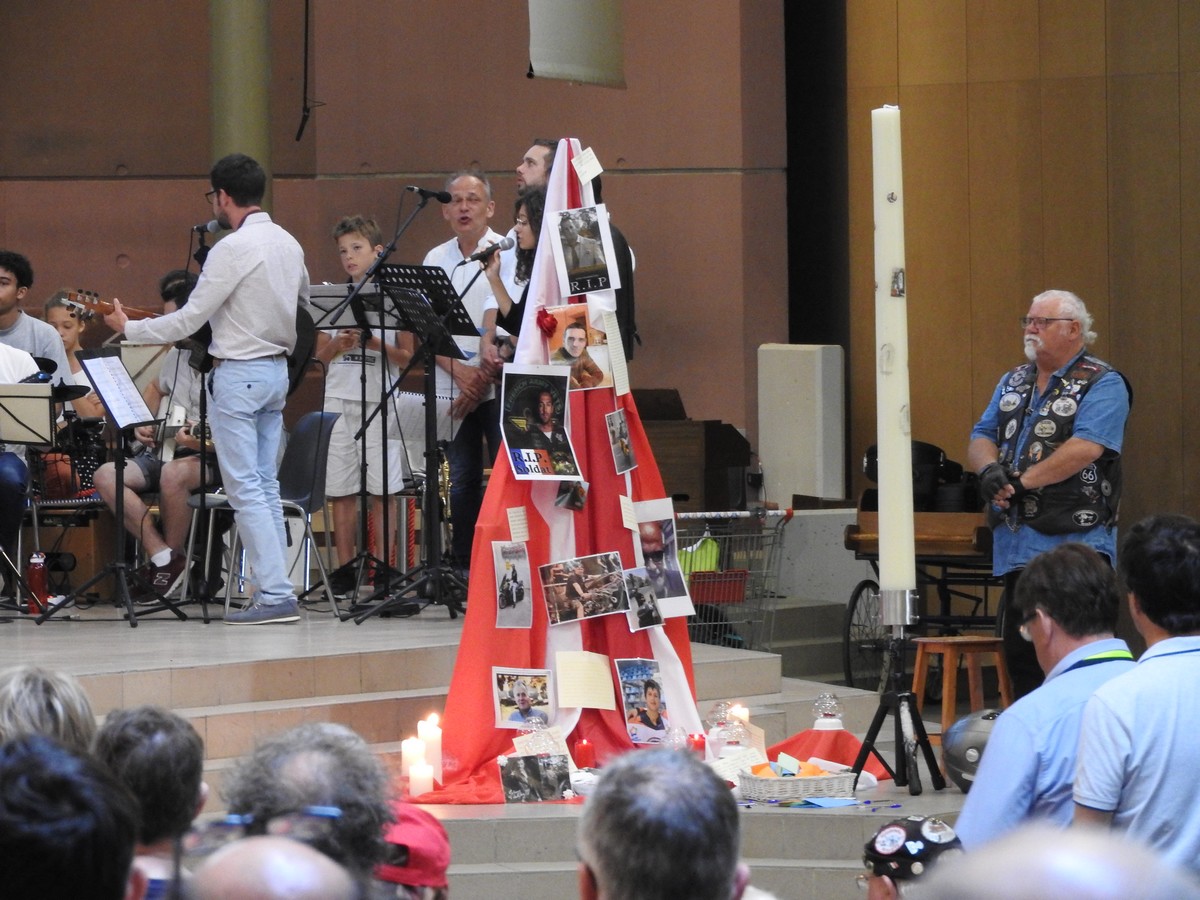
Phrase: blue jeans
pixel 247 399
pixel 14 480
pixel 465 454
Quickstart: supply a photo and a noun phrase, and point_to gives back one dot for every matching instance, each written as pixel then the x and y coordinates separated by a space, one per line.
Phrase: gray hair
pixel 40 701
pixel 318 764
pixel 476 173
pixel 659 825
pixel 1073 308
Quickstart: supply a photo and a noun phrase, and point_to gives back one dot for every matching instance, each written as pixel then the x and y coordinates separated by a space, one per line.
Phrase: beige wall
pixel 106 141
pixel 1046 144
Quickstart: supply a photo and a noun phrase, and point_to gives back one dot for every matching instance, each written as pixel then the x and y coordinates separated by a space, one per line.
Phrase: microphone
pixel 212 226
pixel 426 194
pixel 505 244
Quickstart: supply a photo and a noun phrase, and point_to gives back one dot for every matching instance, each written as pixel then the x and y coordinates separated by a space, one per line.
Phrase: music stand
pixel 26 417
pixel 427 305
pixel 125 410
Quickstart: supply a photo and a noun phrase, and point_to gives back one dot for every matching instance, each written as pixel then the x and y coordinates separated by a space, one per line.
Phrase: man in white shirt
pixel 474 408
pixel 249 290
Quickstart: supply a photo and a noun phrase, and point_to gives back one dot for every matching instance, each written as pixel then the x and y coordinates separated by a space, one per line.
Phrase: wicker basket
pixel 796 787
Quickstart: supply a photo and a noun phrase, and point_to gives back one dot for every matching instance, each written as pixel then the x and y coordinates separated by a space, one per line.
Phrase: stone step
pixel 721 673
pixel 806 657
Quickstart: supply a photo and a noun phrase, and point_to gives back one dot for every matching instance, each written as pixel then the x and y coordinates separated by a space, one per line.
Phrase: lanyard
pixel 1097 658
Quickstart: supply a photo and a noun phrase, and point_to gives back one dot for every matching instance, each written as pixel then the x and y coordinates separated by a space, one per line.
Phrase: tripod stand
pixel 909 731
pixel 428 305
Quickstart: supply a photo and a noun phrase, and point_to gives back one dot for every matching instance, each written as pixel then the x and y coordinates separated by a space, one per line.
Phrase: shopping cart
pixel 731 561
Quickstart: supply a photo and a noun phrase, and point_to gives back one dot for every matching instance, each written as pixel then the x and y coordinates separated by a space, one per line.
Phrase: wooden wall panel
pixel 1142 36
pixel 933 41
pixel 1074 146
pixel 1189 219
pixel 937 256
pixel 1006 224
pixel 872 53
pixel 1145 261
pixel 1071 38
pixel 1002 40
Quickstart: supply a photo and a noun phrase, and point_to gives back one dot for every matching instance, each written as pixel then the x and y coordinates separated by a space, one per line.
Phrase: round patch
pixel 1085 518
pixel 1009 402
pixel 1064 406
pixel 890 839
pixel 1045 428
pixel 937 832
pixel 1017 379
pixel 1106 488
pixel 1010 429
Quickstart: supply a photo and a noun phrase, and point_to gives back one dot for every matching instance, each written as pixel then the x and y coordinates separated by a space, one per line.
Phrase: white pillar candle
pixel 897 544
pixel 431 734
pixel 420 779
pixel 737 711
pixel 412 751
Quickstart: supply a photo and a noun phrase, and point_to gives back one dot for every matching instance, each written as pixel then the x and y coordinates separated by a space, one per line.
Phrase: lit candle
pixel 737 711
pixel 696 744
pixel 412 751
pixel 431 734
pixel 585 754
pixel 897 548
pixel 420 779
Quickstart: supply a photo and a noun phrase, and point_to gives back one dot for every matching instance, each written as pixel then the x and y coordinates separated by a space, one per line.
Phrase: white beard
pixel 1033 344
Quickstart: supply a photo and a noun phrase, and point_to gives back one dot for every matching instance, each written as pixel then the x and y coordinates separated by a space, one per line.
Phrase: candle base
pixel 897 607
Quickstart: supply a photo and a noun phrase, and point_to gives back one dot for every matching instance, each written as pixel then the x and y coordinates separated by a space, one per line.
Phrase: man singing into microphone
pixel 249 290
pixel 469 211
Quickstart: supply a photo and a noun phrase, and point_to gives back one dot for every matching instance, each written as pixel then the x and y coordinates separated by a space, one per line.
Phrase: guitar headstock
pixel 87 303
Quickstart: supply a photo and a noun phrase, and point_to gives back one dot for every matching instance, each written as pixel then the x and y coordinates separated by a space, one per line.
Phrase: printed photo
pixel 514 607
pixel 585 587
pixel 643 604
pixel 522 696
pixel 618 439
pixel 657 551
pixel 641 692
pixel 583 251
pixel 532 779
pixel 533 404
pixel 580 341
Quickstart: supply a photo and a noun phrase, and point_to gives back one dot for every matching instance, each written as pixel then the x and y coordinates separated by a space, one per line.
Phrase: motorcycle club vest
pixel 1085 500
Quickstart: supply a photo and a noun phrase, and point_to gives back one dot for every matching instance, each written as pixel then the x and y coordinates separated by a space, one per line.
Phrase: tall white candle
pixel 897 544
pixel 412 751
pixel 431 734
pixel 420 779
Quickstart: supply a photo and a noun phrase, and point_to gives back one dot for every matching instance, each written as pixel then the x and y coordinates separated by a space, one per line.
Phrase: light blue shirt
pixel 1139 752
pixel 1101 420
pixel 1028 766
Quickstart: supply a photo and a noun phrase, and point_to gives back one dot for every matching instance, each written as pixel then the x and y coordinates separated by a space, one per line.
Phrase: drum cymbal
pixel 45 364
pixel 64 393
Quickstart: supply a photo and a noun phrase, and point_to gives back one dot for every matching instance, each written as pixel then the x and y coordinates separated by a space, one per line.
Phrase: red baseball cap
pixel 419 850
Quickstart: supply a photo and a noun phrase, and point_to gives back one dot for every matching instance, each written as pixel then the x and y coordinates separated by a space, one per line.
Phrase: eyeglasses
pixel 306 825
pixel 1023 629
pixel 1042 321
pixel 208 195
pixel 522 221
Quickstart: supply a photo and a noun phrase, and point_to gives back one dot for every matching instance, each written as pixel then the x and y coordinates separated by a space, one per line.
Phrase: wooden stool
pixel 952 649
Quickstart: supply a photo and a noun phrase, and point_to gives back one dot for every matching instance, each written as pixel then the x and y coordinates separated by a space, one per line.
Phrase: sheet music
pixel 116 389
pixel 410 415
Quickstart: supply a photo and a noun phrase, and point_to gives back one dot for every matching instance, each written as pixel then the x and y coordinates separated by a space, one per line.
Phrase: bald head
pixel 271 868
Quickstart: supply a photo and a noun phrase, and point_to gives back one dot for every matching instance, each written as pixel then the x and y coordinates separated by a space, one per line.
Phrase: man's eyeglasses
pixel 1024 626
pixel 208 195
pixel 1042 321
pixel 306 825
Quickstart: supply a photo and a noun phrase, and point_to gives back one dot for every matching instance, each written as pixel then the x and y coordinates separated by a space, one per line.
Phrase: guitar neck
pixel 90 301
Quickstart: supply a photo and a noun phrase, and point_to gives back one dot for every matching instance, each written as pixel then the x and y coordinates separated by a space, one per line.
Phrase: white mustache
pixel 1033 343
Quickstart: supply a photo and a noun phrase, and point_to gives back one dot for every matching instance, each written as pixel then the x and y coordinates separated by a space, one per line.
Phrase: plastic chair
pixel 301 490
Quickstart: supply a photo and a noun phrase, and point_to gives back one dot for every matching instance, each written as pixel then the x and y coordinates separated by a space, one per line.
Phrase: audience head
pixel 1160 565
pixel 903 850
pixel 535 166
pixel 1069 592
pixel 319 764
pixel 159 756
pixel 38 701
pixel 20 269
pixel 418 854
pixel 659 825
pixel 266 867
pixel 241 177
pixel 1038 862
pixel 67 827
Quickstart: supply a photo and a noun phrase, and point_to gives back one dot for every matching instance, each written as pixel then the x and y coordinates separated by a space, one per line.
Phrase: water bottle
pixel 35 577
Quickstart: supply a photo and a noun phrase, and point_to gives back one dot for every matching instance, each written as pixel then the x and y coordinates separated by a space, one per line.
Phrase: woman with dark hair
pixel 503 310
